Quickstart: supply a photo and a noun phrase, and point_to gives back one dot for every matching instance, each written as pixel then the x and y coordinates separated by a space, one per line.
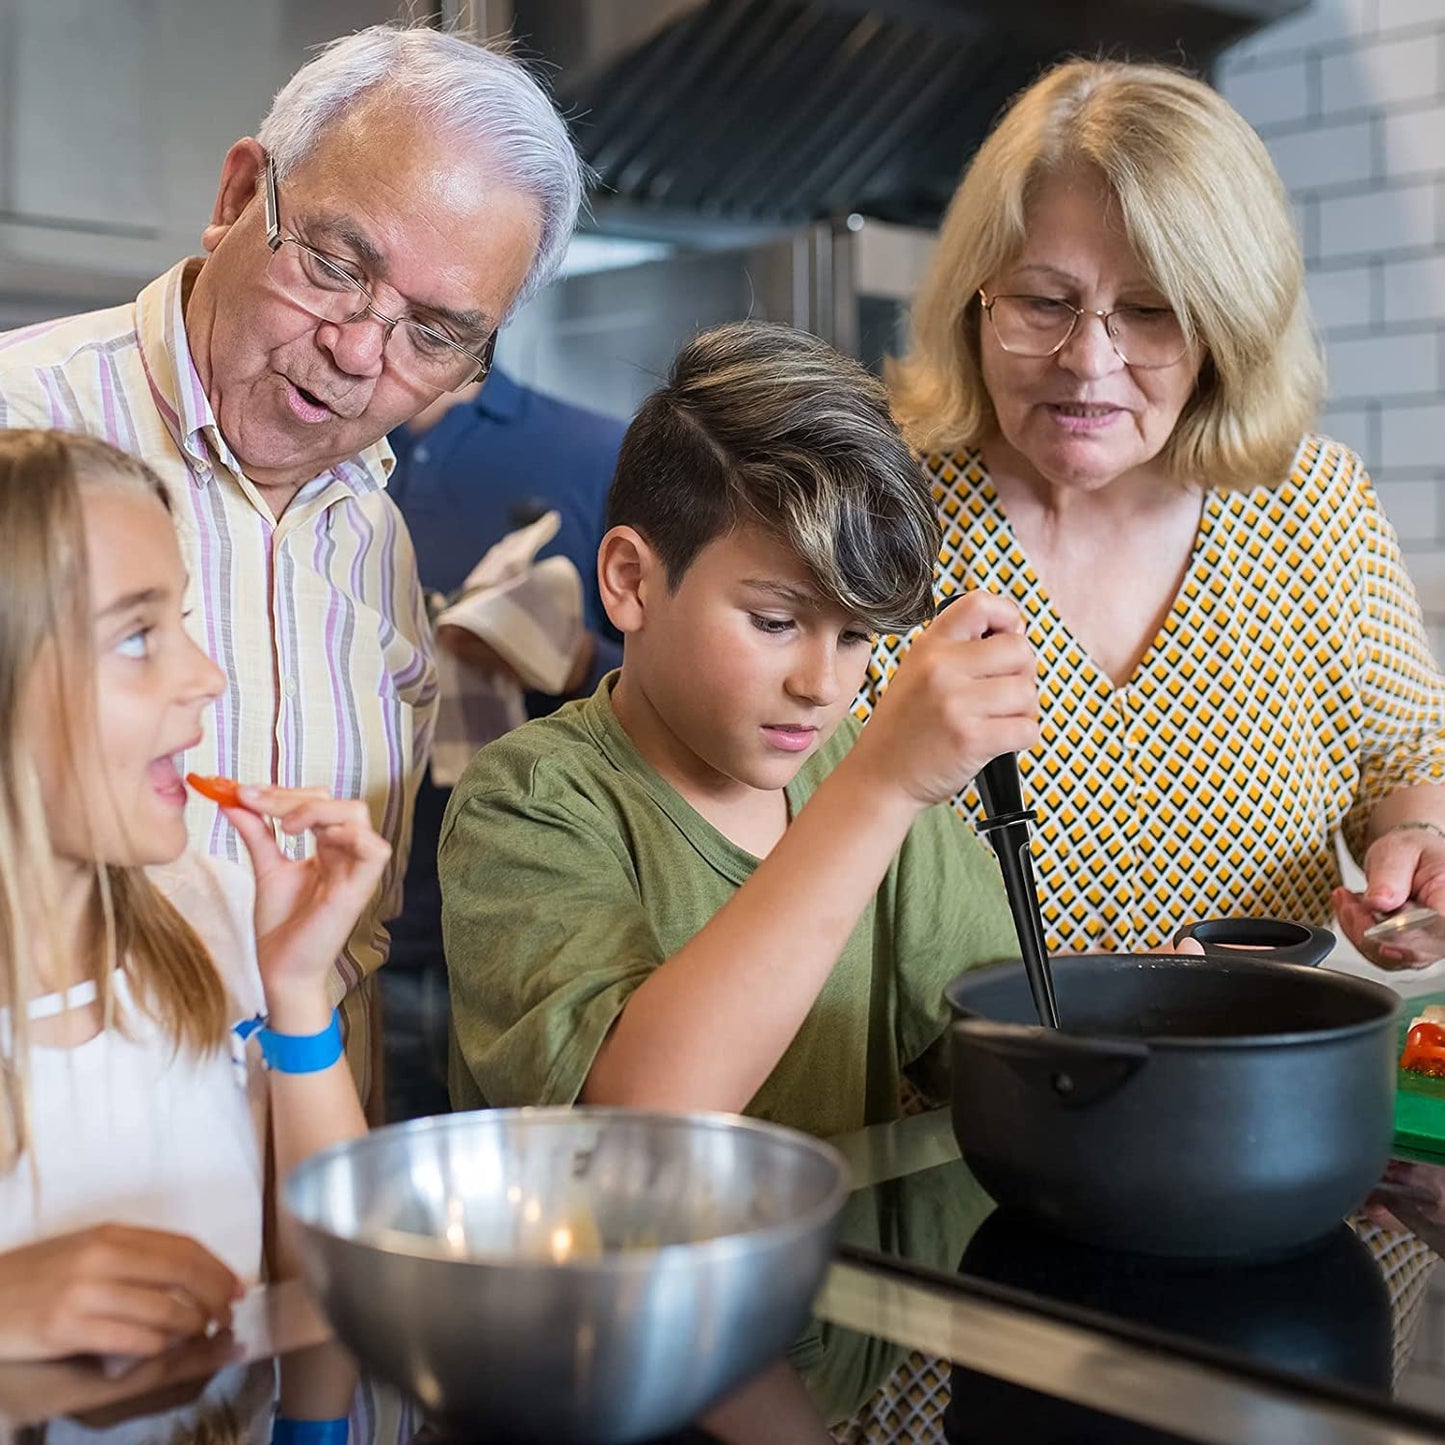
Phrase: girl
pixel 140 984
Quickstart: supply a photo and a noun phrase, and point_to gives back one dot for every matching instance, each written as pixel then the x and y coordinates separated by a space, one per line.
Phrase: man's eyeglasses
pixel 323 287
pixel 1038 326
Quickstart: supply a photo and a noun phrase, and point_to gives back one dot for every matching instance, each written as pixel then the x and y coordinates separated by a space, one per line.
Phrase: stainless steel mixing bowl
pixel 569 1274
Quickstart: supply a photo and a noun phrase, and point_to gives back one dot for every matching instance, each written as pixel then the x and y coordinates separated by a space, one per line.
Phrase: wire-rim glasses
pixel 1038 326
pixel 323 288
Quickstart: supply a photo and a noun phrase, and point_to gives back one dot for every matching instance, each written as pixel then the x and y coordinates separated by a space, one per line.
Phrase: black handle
pixel 1071 1071
pixel 1271 940
pixel 1011 847
pixel 1006 826
pixel 1000 791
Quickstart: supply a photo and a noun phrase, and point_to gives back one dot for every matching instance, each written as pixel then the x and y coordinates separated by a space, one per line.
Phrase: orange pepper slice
pixel 225 791
pixel 1425 1050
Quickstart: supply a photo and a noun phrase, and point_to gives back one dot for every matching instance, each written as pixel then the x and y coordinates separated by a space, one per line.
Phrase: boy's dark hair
pixel 764 425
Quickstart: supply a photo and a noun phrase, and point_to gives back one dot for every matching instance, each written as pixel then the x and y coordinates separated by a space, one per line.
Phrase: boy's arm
pixel 546 937
pixel 707 1027
pixel 948 914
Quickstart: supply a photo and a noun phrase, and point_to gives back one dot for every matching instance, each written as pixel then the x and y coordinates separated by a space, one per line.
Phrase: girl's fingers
pixel 342 827
pixel 256 834
pixel 329 815
pixel 300 810
pixel 167 1312
pixel 277 802
pixel 162 1260
pixel 104 1336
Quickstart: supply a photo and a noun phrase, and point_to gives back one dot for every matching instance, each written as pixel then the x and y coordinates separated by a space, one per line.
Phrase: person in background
pixel 470 469
pixel 141 984
pixel 1111 382
pixel 407 190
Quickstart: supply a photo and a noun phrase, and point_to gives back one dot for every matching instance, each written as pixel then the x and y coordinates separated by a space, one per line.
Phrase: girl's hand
pixel 306 908
pixel 112 1289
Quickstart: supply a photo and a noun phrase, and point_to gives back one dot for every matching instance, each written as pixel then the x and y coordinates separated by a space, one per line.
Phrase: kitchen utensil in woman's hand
pixel 1410 937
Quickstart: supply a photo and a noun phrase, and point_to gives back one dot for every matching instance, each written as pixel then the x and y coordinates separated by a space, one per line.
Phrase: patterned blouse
pixel 1289 690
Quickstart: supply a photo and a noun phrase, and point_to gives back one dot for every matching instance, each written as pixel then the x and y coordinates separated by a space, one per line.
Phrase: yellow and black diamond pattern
pixel 1290 688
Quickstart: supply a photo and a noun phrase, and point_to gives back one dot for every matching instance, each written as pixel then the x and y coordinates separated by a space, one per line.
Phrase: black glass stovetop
pixel 1350 1317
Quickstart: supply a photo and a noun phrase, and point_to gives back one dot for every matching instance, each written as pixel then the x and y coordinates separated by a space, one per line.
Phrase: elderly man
pixel 407 191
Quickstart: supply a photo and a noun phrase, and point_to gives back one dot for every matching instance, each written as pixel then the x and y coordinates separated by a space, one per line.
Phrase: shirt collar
pixel 500 397
pixel 182 401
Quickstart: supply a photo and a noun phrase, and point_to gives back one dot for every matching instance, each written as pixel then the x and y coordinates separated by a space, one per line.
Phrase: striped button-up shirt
pixel 317 619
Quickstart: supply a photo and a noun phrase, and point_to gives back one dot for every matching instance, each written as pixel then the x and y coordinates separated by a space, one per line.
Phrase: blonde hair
pixel 45 614
pixel 1207 215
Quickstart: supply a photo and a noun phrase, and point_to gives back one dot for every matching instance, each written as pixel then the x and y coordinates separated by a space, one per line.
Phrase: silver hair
pixel 477 92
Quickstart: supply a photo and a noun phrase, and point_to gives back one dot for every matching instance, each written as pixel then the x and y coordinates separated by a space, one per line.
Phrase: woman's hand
pixel 1404 865
pixel 306 908
pixel 1189 946
pixel 112 1289
pixel 1410 1196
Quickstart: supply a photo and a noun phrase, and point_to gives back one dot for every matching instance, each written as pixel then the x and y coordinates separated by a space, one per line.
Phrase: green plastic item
pixel 1419 1099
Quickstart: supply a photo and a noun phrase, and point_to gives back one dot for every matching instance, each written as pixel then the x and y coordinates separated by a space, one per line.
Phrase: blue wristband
pixel 302 1053
pixel 308 1432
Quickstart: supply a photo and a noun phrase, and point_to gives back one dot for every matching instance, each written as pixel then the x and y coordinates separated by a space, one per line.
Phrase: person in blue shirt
pixel 469 470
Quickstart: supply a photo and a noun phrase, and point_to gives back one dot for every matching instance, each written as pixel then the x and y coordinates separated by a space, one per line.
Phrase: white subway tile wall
pixel 1354 80
pixel 1333 158
pixel 1349 96
pixel 1362 366
pixel 1411 435
pixel 1343 301
pixel 1376 218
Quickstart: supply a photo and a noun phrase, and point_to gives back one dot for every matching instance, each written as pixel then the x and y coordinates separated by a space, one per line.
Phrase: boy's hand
pixel 966 691
pixel 306 908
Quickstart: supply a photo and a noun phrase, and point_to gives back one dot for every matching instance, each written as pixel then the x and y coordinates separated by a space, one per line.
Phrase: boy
pixel 637 906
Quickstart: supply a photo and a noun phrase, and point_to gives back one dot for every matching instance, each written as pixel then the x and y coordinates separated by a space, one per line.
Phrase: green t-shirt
pixel 570 870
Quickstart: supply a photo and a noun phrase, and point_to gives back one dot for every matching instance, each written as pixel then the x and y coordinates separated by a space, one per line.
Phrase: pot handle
pixel 1072 1071
pixel 1271 940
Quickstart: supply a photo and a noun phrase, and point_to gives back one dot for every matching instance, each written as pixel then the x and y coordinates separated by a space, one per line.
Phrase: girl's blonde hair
pixel 1207 215
pixel 46 611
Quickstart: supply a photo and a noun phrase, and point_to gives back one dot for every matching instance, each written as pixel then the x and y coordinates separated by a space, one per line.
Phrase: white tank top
pixel 127 1130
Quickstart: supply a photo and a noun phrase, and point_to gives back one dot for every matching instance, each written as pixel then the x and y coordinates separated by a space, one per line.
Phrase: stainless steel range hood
pixel 769 113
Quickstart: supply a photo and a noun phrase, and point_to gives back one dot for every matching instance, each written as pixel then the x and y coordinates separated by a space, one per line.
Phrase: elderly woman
pixel 1111 380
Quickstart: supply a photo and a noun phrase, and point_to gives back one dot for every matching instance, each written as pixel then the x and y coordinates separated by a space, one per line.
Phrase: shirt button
pixel 421 456
pixel 289 687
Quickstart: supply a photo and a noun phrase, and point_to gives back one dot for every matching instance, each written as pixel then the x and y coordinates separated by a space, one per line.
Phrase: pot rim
pixel 1391 1003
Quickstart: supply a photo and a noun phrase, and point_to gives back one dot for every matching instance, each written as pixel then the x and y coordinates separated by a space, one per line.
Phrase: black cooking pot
pixel 1230 1105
